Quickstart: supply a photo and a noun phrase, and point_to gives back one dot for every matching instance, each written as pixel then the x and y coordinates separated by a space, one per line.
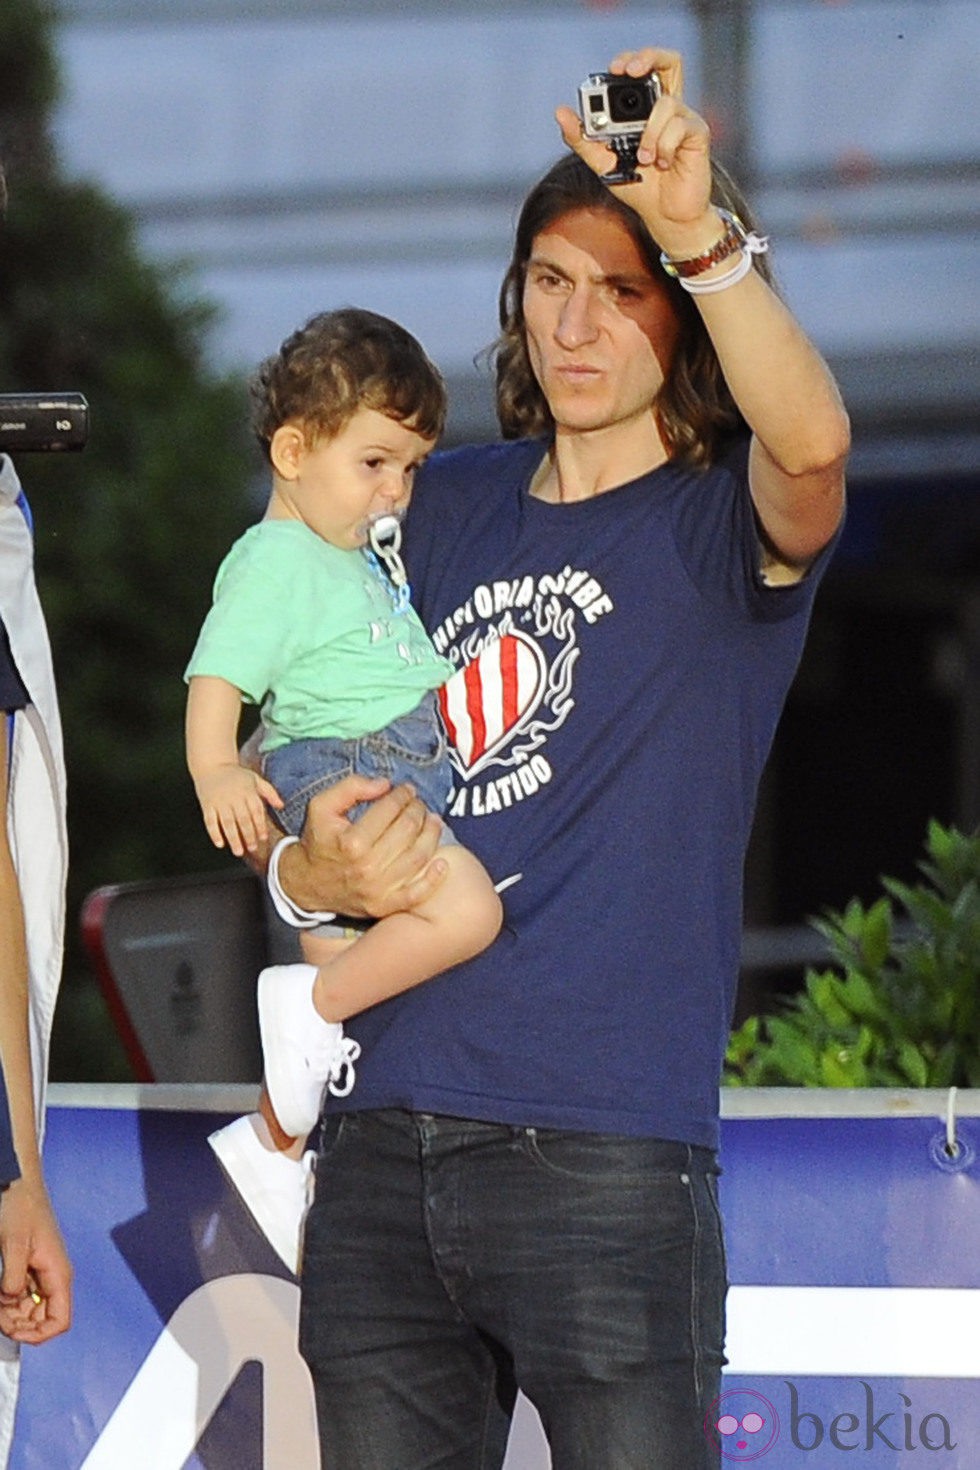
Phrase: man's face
pixel 600 327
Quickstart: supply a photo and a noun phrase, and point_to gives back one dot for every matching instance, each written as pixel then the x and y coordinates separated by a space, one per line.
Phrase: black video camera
pixel 42 422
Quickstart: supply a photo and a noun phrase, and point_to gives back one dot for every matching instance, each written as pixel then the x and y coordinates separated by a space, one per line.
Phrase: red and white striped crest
pixel 485 703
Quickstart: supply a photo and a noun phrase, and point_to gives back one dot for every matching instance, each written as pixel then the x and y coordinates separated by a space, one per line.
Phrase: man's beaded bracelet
pixel 735 238
pixel 754 245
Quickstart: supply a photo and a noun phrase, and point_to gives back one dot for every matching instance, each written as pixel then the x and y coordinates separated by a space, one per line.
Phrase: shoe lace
pixel 342 1075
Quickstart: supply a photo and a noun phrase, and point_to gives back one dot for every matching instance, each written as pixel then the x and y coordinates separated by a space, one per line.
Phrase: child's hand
pixel 233 802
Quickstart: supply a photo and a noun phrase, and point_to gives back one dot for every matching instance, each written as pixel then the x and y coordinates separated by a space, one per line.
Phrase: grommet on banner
pixel 951 1149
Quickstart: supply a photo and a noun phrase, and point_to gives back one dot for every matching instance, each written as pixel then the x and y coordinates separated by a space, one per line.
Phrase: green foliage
pixel 30 82
pixel 129 532
pixel 904 1008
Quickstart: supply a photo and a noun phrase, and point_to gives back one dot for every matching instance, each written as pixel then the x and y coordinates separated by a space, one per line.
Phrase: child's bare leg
pixel 461 918
pixel 278 1138
pixel 323 949
pixel 301 1007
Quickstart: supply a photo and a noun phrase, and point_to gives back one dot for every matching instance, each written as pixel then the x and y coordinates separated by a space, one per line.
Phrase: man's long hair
pixel 695 410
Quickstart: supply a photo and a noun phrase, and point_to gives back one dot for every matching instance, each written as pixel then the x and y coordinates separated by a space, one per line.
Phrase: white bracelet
pixel 754 245
pixel 290 912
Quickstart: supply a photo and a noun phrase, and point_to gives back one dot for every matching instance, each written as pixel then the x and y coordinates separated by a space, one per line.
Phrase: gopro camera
pixel 614 110
pixel 42 421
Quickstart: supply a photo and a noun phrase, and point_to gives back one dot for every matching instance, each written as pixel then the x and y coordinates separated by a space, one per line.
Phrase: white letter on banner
pixel 220 1327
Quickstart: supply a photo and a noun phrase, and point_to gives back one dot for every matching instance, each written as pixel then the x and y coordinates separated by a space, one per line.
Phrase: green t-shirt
pixel 311 633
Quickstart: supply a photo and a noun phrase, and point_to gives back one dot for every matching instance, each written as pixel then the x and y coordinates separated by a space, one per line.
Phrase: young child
pixel 316 627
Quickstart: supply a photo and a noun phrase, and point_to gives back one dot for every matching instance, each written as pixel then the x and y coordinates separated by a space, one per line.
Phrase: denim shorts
pixel 412 748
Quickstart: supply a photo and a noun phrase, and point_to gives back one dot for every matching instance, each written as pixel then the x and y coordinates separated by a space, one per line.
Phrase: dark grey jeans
pixel 447 1263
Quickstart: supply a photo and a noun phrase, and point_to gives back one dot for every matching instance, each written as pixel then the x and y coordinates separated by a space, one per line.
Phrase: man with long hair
pixel 521 1191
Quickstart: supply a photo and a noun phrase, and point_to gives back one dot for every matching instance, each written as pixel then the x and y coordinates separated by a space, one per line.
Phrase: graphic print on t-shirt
pixel 515 645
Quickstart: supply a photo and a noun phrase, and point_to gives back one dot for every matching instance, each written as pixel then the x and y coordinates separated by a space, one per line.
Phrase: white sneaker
pixel 275 1189
pixel 301 1052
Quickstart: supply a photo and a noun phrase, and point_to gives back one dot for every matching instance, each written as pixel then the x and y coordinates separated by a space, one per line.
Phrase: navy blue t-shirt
pixel 13 696
pixel 621 667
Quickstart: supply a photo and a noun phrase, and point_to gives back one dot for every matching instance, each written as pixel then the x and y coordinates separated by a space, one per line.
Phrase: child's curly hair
pixel 342 361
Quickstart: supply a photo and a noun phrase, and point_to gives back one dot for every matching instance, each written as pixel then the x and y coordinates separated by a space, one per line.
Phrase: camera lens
pixel 629 104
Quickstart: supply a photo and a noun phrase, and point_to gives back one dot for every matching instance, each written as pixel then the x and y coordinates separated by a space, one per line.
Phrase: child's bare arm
pixel 232 798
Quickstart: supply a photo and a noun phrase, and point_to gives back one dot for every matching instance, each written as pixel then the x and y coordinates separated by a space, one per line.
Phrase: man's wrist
pixel 288 910
pixel 691 239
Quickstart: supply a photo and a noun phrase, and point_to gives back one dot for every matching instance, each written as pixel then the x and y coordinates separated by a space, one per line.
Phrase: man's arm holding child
pixel 382 863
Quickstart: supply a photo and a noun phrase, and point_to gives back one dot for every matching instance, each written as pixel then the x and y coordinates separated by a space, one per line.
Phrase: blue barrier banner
pixel 854 1313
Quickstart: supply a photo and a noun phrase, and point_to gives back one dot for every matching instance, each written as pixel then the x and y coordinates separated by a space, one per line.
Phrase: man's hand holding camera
pixel 672 188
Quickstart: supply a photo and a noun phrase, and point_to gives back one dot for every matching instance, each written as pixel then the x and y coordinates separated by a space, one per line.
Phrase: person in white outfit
pixel 35 1273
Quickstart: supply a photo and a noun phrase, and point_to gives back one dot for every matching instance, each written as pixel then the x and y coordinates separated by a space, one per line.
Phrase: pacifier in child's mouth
pixel 384 535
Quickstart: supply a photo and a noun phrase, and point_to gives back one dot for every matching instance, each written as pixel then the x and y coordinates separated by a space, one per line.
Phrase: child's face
pixel 338 486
